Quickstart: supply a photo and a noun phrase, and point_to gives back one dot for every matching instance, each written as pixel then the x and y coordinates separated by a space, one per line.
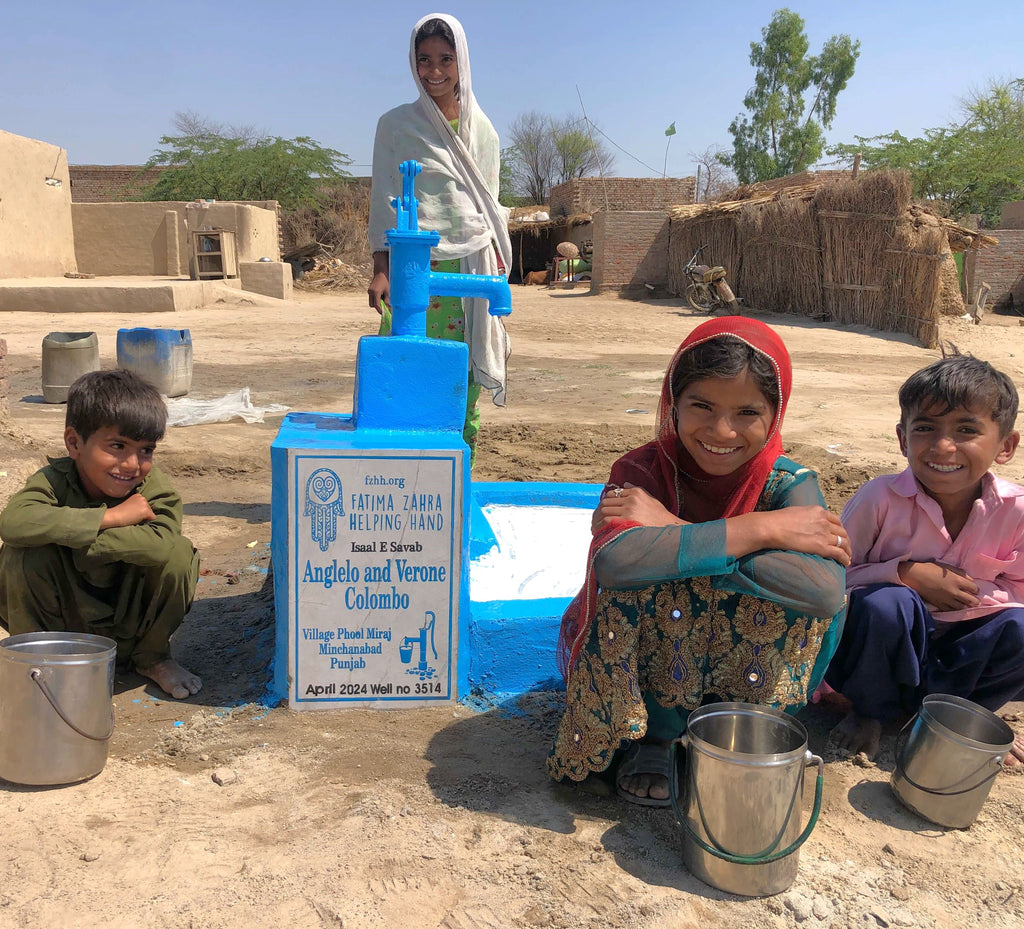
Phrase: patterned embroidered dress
pixel 759 629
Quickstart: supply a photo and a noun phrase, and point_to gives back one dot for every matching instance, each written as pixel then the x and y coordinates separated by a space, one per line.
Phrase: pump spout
pixel 412 281
pixel 491 287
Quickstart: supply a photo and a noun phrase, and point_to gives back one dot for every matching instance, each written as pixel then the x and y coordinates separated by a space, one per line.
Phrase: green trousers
pixel 665 722
pixel 446 320
pixel 42 591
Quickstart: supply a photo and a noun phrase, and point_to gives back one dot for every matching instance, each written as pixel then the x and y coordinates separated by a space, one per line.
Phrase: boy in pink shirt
pixel 936 581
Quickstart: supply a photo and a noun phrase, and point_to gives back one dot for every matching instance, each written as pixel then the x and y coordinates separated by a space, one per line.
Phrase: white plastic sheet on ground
pixel 541 552
pixel 188 411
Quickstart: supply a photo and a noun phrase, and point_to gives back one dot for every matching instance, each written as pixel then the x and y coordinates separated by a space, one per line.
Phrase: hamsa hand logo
pixel 323 506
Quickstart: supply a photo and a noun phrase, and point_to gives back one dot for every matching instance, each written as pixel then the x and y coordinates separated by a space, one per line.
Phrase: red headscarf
pixel 669 474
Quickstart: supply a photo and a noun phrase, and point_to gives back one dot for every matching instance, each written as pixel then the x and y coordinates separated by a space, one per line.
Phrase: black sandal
pixel 645 758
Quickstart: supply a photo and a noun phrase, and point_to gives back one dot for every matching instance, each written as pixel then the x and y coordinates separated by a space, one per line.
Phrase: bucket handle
pixel 37 676
pixel 901 741
pixel 673 788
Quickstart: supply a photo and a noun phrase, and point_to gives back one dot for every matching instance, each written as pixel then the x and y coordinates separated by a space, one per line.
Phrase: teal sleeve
pixel 651 555
pixel 805 583
pixel 655 554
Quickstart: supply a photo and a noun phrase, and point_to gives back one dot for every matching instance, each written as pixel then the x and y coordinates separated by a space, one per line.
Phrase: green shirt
pixel 54 509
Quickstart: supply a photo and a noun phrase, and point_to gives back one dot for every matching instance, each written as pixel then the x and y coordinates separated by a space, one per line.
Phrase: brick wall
pixel 589 194
pixel 1001 266
pixel 110 183
pixel 631 251
pixel 1012 215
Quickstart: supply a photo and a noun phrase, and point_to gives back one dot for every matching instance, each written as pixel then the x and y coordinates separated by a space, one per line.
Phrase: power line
pixel 600 167
pixel 621 149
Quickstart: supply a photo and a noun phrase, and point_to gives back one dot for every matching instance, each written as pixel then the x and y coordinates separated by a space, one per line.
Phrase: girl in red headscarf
pixel 715 572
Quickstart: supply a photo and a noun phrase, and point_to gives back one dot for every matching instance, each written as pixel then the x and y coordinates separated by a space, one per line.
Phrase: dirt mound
pixel 228 813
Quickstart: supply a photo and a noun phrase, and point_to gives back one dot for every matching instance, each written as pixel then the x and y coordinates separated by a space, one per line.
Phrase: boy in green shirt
pixel 93 542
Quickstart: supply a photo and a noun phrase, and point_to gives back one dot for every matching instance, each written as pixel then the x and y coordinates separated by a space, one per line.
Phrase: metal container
pixel 744 790
pixel 162 356
pixel 66 357
pixel 946 765
pixel 56 714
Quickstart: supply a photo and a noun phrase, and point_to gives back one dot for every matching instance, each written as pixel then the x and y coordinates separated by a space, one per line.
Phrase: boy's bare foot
pixel 857 733
pixel 172 678
pixel 1015 756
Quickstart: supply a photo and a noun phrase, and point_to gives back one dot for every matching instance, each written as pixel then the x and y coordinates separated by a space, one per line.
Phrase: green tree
pixel 507 195
pixel 226 163
pixel 779 134
pixel 973 165
pixel 574 153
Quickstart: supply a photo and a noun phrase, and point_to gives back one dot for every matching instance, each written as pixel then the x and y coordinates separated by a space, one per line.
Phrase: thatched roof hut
pixel 854 250
pixel 534 240
pixel 520 221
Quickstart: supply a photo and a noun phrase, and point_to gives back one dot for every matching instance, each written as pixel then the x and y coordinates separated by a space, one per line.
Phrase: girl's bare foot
pixel 643 774
pixel 172 678
pixel 857 733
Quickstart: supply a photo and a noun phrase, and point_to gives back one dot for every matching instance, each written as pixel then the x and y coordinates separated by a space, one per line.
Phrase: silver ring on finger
pixel 839 541
pixel 617 491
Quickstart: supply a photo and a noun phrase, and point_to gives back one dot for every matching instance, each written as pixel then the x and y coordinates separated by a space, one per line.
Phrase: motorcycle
pixel 708 290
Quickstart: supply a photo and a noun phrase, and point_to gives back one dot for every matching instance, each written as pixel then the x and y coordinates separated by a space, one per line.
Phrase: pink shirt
pixel 890 519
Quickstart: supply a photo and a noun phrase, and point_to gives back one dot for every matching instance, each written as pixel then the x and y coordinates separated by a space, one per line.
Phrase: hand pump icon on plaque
pixel 422 670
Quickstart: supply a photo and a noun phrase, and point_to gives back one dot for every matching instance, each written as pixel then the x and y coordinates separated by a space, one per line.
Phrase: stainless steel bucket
pixel 743 799
pixel 946 765
pixel 56 714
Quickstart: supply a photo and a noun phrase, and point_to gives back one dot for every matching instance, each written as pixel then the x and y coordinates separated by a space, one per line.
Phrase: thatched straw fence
pixel 781 266
pixel 715 228
pixel 862 256
pixel 852 250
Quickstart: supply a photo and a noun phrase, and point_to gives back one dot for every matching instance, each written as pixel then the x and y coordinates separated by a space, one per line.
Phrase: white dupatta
pixel 458 196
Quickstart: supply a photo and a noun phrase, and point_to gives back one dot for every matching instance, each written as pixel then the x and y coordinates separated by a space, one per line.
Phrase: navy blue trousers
pixel 890 656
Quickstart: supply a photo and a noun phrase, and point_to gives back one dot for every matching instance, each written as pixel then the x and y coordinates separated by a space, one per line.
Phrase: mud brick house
pixel 1002 266
pixel 47 233
pixel 622 222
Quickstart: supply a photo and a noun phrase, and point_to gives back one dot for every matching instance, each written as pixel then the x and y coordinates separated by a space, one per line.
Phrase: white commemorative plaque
pixel 375 543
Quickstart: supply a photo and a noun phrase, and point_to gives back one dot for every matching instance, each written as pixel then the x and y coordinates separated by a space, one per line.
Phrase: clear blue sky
pixel 104 79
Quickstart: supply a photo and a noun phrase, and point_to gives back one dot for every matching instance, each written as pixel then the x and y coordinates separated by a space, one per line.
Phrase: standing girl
pixel 715 573
pixel 446 132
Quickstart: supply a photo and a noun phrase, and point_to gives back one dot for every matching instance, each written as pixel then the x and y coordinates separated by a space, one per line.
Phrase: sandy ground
pixel 444 817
